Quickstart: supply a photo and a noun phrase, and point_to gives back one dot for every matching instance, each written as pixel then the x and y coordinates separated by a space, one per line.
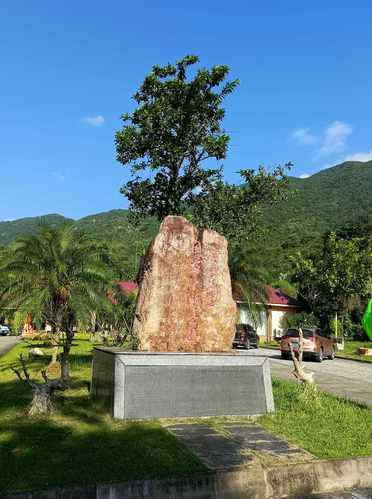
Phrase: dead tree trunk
pixel 42 402
pixel 305 377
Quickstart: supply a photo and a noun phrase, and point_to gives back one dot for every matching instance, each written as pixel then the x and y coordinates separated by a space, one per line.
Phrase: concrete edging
pixel 251 482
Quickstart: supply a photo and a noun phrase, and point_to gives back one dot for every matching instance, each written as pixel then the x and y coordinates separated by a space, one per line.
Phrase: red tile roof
pixel 277 297
pixel 273 297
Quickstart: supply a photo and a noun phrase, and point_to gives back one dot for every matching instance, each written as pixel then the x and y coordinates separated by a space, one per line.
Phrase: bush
pixel 298 319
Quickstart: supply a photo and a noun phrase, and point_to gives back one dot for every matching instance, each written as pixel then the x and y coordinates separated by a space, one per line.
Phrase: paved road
pixel 347 378
pixel 7 342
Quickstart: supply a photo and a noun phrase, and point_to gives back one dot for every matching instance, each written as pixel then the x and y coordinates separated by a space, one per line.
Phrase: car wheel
pixel 319 356
pixel 333 354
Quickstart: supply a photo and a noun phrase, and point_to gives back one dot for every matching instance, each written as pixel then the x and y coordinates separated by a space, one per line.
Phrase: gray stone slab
pixel 217 451
pixel 139 385
pixel 238 445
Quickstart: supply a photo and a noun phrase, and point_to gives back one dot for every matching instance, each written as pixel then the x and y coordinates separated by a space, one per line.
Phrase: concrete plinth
pixel 142 385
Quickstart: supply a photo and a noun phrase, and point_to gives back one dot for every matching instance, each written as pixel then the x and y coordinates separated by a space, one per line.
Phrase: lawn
pixel 330 428
pixel 351 350
pixel 78 444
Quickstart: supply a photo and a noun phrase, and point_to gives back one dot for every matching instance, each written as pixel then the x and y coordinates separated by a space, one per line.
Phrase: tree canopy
pixel 331 280
pixel 175 129
pixel 57 276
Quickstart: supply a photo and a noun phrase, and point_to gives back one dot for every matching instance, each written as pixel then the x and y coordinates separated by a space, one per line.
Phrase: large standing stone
pixel 185 302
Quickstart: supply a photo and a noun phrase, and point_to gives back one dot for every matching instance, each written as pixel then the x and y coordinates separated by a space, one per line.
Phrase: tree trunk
pixel 305 377
pixel 65 365
pixel 42 401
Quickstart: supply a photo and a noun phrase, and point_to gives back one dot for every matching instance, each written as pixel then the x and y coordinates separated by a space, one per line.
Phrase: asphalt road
pixel 7 342
pixel 346 378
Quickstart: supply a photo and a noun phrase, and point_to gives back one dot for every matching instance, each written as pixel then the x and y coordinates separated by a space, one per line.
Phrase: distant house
pixel 271 313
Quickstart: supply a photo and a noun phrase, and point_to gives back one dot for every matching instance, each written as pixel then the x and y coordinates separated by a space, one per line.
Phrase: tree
pixel 235 210
pixel 172 133
pixel 248 280
pixel 57 276
pixel 175 130
pixel 115 316
pixel 331 280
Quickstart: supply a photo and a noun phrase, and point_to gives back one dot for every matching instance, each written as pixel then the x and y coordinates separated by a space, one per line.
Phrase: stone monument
pixel 185 323
pixel 185 302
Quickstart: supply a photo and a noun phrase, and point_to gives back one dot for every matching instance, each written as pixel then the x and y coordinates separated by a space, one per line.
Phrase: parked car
pixel 317 346
pixel 4 330
pixel 245 337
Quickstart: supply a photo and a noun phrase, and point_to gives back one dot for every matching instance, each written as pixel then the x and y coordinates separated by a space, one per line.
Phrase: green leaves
pixel 57 276
pixel 235 211
pixel 332 279
pixel 175 128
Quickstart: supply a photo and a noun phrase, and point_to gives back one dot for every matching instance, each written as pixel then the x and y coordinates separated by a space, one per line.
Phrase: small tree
pixel 174 130
pixel 58 276
pixel 115 316
pixel 330 281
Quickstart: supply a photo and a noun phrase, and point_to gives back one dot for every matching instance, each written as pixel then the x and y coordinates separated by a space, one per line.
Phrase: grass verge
pixel 329 427
pixel 78 444
pixel 351 351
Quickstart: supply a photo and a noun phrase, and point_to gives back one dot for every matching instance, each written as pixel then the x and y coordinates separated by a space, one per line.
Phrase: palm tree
pixel 57 276
pixel 248 280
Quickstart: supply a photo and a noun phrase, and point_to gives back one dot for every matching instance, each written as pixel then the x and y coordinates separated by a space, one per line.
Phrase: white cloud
pixel 334 137
pixel 58 175
pixel 303 137
pixel 305 175
pixel 359 156
pixel 96 121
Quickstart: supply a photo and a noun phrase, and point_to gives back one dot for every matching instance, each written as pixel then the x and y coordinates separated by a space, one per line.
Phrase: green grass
pixel 270 344
pixel 330 428
pixel 78 444
pixel 351 350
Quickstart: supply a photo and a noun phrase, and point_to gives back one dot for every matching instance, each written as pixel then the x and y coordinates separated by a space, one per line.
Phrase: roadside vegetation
pixel 351 351
pixel 327 426
pixel 77 444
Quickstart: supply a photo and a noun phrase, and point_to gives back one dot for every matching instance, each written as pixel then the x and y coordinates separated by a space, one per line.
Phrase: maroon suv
pixel 317 346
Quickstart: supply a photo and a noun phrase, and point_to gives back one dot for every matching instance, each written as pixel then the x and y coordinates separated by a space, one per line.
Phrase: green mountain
pixel 324 201
pixel 10 230
pixel 110 225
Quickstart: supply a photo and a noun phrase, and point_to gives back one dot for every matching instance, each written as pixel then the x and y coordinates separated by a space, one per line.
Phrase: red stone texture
pixel 184 301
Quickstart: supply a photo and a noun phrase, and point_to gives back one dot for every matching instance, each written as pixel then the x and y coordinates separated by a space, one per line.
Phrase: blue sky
pixel 69 69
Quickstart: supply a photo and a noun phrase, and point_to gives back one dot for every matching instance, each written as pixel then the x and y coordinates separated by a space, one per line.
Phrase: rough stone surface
pixel 185 302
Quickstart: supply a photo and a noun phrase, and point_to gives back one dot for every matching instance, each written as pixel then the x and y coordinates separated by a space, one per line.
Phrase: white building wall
pixel 245 318
pixel 277 316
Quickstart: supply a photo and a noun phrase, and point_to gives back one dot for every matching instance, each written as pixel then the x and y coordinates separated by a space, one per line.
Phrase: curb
pixel 342 357
pixel 300 480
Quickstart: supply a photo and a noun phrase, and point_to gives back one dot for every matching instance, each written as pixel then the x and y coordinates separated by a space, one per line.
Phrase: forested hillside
pixel 327 200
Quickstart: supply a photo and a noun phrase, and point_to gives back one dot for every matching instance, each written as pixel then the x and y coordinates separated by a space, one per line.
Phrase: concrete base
pixel 141 385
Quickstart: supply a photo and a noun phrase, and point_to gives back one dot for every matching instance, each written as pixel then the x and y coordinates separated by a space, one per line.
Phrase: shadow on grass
pixel 80 445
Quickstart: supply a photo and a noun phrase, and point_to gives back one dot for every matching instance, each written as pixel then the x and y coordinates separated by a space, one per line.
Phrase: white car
pixel 4 330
